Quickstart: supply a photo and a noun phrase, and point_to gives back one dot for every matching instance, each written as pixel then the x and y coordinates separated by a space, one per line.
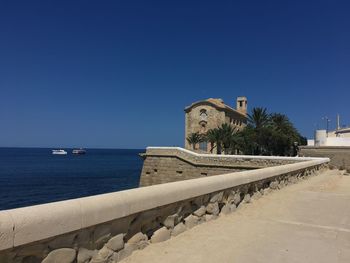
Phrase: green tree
pixel 259 118
pixel 225 136
pixel 213 136
pixel 283 134
pixel 194 138
pixel 269 134
pixel 265 134
pixel 281 123
pixel 247 140
pixel 228 137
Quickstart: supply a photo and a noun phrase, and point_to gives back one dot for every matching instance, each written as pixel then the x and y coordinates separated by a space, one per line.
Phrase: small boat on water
pixel 79 151
pixel 59 152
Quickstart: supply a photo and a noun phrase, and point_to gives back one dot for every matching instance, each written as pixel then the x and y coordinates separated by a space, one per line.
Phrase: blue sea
pixel 30 176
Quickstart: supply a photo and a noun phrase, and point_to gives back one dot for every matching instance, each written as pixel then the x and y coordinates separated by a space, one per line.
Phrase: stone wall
pixel 339 156
pixel 170 164
pixel 107 228
pixel 159 170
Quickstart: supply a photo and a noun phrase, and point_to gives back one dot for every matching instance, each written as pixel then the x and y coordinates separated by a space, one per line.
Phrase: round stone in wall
pixel 62 255
pixel 160 235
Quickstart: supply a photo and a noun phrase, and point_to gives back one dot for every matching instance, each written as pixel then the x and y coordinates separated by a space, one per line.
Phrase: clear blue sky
pixel 119 73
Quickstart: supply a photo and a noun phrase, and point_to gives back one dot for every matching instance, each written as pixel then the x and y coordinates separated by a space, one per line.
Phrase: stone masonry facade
pixel 208 114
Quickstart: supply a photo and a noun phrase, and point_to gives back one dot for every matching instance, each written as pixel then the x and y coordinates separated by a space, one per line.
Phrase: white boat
pixel 79 151
pixel 59 152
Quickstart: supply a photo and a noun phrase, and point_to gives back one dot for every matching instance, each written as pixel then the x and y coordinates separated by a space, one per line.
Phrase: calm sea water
pixel 30 176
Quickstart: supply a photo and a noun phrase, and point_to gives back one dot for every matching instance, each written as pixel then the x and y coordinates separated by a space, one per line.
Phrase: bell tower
pixel 242 105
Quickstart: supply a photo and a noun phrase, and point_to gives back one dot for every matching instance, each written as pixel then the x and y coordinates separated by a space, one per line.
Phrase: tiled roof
pixel 216 102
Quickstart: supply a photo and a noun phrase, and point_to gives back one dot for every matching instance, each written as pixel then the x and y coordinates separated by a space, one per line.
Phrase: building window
pixel 203 115
pixel 203 146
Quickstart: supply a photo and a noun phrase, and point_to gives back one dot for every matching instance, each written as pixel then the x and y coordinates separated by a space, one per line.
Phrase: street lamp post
pixel 327 123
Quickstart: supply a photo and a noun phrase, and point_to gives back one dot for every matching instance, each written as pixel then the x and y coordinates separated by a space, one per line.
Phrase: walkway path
pixel 306 222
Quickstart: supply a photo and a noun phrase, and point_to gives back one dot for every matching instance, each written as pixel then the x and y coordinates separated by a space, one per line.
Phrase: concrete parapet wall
pixel 108 227
pixel 170 164
pixel 339 155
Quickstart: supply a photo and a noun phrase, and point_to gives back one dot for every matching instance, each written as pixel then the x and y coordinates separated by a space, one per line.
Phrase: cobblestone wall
pixel 116 239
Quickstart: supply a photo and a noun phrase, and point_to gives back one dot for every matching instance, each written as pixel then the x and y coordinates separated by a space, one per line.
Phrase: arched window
pixel 203 114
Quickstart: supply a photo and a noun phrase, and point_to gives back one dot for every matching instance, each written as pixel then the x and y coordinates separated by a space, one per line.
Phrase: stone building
pixel 204 115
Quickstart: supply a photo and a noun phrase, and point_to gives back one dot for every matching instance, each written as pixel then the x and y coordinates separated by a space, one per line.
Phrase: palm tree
pixel 228 138
pixel 194 138
pixel 259 118
pixel 213 137
pixel 224 136
pixel 268 134
pixel 247 142
pixel 285 134
pixel 280 122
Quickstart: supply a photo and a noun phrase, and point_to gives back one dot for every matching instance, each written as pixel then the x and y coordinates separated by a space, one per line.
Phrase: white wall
pixel 337 141
pixel 310 142
pixel 321 139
